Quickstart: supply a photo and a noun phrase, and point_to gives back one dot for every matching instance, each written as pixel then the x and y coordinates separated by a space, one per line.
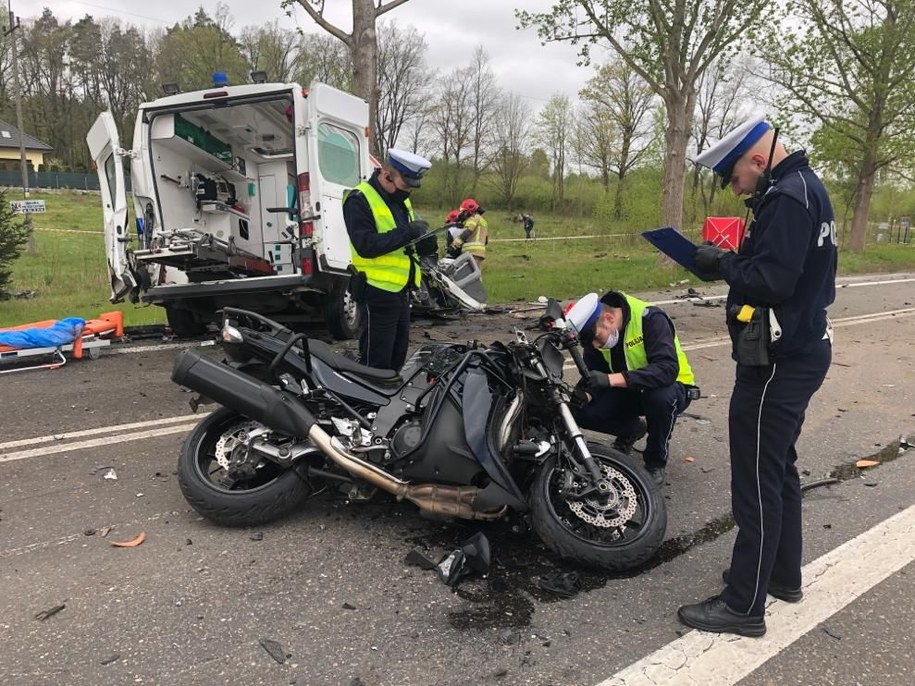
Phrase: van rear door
pixel 105 148
pixel 338 154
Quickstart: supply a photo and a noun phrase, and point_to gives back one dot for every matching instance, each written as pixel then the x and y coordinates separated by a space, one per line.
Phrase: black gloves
pixel 598 381
pixel 417 228
pixel 707 257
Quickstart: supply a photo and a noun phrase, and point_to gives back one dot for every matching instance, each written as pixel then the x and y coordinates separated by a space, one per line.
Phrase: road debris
pixel 132 543
pixel 274 649
pixel 44 614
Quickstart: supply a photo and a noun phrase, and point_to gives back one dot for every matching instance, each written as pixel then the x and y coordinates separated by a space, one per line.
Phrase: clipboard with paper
pixel 676 246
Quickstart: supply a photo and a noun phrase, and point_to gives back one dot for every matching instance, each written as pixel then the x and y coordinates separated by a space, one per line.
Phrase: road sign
pixel 27 206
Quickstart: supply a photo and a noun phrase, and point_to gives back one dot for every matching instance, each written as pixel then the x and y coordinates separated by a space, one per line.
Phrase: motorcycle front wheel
pixel 245 492
pixel 615 532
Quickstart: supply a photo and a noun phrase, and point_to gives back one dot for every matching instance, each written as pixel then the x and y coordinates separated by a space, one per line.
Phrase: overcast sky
pixel 452 29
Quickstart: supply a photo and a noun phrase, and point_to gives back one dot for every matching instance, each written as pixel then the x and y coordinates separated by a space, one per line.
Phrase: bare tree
pixel 362 44
pixel 452 122
pixel 402 79
pixel 554 130
pixel 484 95
pixel 669 43
pixel 271 49
pixel 513 129
pixel 323 58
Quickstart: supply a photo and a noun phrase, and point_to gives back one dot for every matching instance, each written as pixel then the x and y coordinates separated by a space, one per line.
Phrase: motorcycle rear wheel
pixel 270 493
pixel 638 515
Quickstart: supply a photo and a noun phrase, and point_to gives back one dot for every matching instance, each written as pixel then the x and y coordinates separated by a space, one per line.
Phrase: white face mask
pixel 612 340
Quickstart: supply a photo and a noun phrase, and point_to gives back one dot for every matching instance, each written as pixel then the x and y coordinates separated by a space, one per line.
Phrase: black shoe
pixel 714 615
pixel 624 443
pixel 789 595
pixel 656 474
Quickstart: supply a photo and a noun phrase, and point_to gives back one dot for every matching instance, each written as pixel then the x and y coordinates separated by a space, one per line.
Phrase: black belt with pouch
pixel 357 284
pixel 753 338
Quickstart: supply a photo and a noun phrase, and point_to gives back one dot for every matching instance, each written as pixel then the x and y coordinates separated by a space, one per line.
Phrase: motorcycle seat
pixel 385 377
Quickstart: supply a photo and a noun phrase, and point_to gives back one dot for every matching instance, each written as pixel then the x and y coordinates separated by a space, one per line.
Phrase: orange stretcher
pixel 96 334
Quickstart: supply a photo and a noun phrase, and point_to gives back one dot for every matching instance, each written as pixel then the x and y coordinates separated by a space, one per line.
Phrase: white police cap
pixel 410 165
pixel 721 157
pixel 583 314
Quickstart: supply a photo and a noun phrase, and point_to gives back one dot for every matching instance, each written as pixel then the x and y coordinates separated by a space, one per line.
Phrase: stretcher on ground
pixel 94 335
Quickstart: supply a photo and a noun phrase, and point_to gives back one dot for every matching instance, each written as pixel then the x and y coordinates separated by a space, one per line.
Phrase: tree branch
pixel 318 17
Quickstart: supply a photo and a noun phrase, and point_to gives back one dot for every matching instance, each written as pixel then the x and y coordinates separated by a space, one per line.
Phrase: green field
pixel 70 277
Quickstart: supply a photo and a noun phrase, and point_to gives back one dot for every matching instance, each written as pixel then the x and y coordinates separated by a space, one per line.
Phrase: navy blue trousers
pixel 616 411
pixel 385 334
pixel 765 419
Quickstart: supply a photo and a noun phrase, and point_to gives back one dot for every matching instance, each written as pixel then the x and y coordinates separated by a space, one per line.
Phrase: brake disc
pixel 231 440
pixel 620 506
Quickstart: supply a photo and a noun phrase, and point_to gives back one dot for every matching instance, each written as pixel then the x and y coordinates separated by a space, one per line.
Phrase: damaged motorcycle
pixel 468 431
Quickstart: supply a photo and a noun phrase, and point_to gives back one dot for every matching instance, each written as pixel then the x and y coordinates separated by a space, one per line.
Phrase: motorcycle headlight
pixel 230 334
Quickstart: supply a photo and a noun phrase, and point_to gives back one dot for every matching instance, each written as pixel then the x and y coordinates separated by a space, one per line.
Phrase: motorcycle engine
pixel 407 438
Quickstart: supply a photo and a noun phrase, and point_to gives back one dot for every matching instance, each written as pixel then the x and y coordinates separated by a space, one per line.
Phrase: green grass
pixel 71 279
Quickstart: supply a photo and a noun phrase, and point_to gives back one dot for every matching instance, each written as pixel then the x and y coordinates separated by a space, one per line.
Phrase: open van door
pixel 339 153
pixel 104 146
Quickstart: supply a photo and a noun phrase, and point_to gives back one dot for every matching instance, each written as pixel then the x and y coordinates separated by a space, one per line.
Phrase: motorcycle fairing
pixel 479 401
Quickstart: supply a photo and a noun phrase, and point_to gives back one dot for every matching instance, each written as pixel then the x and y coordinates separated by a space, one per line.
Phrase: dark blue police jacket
pixel 788 259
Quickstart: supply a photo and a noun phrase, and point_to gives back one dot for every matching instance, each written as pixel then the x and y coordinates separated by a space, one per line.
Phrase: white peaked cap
pixel 720 157
pixel 410 165
pixel 583 314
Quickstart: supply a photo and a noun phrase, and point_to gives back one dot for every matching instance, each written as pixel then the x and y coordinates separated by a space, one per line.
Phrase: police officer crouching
pixel 381 222
pixel 638 369
pixel 781 281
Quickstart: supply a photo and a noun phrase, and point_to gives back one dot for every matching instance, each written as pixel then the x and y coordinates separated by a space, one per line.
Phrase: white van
pixel 237 194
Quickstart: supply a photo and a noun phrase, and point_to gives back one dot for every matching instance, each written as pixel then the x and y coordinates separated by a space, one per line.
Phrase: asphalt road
pixel 197 604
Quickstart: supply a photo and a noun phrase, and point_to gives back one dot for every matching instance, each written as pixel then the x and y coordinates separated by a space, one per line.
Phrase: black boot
pixel 714 615
pixel 624 442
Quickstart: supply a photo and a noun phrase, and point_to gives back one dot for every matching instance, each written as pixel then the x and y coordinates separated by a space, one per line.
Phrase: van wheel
pixel 184 323
pixel 341 312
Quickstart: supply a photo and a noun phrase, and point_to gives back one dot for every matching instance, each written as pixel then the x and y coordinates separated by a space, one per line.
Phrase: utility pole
pixel 23 160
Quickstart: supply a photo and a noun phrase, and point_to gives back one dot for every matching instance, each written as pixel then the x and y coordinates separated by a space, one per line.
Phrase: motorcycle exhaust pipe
pixel 253 398
pixel 281 412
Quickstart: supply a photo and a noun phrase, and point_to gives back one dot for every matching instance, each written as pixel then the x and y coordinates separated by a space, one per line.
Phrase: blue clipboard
pixel 676 246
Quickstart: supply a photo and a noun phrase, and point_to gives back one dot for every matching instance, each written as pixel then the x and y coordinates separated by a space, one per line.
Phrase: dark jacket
pixel 663 365
pixel 788 259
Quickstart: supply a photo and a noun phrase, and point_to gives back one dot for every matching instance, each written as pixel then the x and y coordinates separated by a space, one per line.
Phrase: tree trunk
pixel 863 193
pixel 364 52
pixel 676 136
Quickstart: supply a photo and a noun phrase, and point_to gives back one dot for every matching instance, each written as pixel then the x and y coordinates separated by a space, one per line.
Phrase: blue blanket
pixel 61 332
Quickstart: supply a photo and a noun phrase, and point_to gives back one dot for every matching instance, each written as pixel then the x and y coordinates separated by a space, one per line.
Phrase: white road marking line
pixel 833 581
pixel 103 430
pixel 95 442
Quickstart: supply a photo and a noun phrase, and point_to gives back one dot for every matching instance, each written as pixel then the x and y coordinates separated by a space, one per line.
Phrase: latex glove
pixel 707 257
pixel 417 228
pixel 598 381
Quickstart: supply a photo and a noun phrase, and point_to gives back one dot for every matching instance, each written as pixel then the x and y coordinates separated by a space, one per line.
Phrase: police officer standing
pixel 380 221
pixel 781 281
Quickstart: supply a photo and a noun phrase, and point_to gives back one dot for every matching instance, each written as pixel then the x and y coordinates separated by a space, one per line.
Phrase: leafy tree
pixel 669 43
pixel 323 58
pixel 13 237
pixel 851 66
pixel 616 123
pixel 271 49
pixel 555 125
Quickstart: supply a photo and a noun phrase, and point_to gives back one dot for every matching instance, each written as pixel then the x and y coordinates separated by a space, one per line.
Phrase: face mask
pixel 612 340
pixel 400 195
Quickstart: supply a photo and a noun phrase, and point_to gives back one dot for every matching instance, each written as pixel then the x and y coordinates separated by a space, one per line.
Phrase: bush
pixel 13 237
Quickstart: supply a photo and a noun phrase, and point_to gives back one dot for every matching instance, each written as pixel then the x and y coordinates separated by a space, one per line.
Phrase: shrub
pixel 12 239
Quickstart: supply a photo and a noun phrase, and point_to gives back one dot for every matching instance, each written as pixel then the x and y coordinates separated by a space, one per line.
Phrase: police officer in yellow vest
pixel 638 369
pixel 380 221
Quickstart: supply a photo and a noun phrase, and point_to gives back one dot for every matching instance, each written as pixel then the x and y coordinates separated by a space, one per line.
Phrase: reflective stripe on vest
pixel 477 241
pixel 634 343
pixel 388 272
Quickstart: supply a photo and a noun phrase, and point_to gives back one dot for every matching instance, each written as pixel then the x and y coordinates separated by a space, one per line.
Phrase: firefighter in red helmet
pixel 475 236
